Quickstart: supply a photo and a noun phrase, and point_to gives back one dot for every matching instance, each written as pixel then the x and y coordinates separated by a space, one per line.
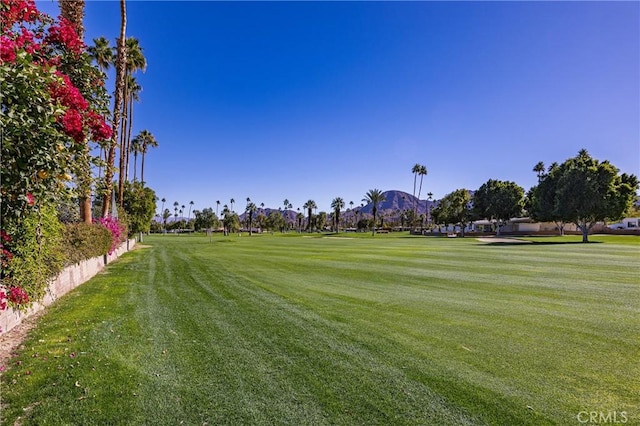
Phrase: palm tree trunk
pixel 122 172
pixel 135 165
pixel 121 62
pixel 130 125
pixel 73 11
pixel 142 173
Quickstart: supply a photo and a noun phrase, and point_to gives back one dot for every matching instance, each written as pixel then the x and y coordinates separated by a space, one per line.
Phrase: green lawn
pixel 311 330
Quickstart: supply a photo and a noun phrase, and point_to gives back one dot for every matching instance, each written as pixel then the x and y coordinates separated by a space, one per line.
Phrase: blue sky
pixel 317 100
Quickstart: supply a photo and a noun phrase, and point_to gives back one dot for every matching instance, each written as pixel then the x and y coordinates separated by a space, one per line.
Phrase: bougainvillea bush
pixel 52 102
pixel 117 229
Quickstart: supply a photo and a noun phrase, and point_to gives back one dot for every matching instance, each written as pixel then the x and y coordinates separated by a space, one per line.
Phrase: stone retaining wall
pixel 70 278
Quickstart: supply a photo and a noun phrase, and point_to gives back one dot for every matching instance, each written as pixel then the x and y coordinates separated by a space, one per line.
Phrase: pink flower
pixel 100 130
pixel 72 124
pixel 67 94
pixel 13 11
pixel 65 35
pixel 7 49
pixel 30 200
pixel 18 296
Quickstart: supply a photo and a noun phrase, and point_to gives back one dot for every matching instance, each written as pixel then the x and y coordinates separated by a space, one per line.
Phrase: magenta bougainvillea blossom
pixel 115 227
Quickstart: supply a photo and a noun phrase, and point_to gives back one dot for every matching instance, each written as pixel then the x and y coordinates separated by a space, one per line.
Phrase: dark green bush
pixel 83 241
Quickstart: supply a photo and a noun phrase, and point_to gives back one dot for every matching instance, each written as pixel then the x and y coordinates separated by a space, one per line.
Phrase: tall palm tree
pixel 146 141
pixel 251 209
pixel 310 205
pixel 337 204
pixel 376 197
pixel 299 217
pixel 73 11
pixel 102 54
pixel 135 61
pixel 136 147
pixel 539 169
pixel 189 217
pixel 164 200
pixel 166 214
pixel 415 170
pixel 217 205
pixel 429 198
pixel 133 94
pixel 232 201
pixel 121 61
pixel 422 173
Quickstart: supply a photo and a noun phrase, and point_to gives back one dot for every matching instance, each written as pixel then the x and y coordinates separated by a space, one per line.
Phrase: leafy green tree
pixel 206 219
pixel 321 221
pixel 139 202
pixel 337 204
pixel 589 191
pixel 231 221
pixel 542 198
pixel 455 208
pixel 375 197
pixel 275 221
pixel 498 200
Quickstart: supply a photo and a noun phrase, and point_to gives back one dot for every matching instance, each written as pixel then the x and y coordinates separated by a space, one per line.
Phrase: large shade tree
pixel 498 200
pixel 455 208
pixel 586 191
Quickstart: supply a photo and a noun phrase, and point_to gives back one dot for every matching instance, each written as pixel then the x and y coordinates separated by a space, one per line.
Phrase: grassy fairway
pixel 334 330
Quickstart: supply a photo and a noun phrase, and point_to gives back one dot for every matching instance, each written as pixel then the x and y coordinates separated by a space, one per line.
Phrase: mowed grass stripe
pixel 383 330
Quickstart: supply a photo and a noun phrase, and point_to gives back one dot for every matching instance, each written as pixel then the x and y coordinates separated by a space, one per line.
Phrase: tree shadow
pixel 536 243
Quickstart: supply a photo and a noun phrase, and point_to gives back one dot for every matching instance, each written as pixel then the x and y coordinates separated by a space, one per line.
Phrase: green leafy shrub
pixel 84 241
pixel 38 255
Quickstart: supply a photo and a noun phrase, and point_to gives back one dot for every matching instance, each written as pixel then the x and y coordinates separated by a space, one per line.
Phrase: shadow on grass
pixel 536 243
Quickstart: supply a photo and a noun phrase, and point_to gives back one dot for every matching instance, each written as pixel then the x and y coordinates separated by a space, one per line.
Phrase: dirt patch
pixel 12 340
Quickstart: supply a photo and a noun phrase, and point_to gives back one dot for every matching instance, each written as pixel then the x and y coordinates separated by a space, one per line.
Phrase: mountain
pixel 397 201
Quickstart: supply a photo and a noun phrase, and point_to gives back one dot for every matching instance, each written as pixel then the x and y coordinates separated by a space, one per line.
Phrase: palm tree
pixel 337 204
pixel 415 170
pixel 133 90
pixel 164 200
pixel 539 169
pixel 374 196
pixel 232 201
pixel 121 61
pixel 310 205
pixel 136 147
pixel 73 11
pixel 189 217
pixel 429 198
pixel 102 54
pixel 147 140
pixel 299 217
pixel 135 61
pixel 166 214
pixel 422 173
pixel 251 209
pixel 217 205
